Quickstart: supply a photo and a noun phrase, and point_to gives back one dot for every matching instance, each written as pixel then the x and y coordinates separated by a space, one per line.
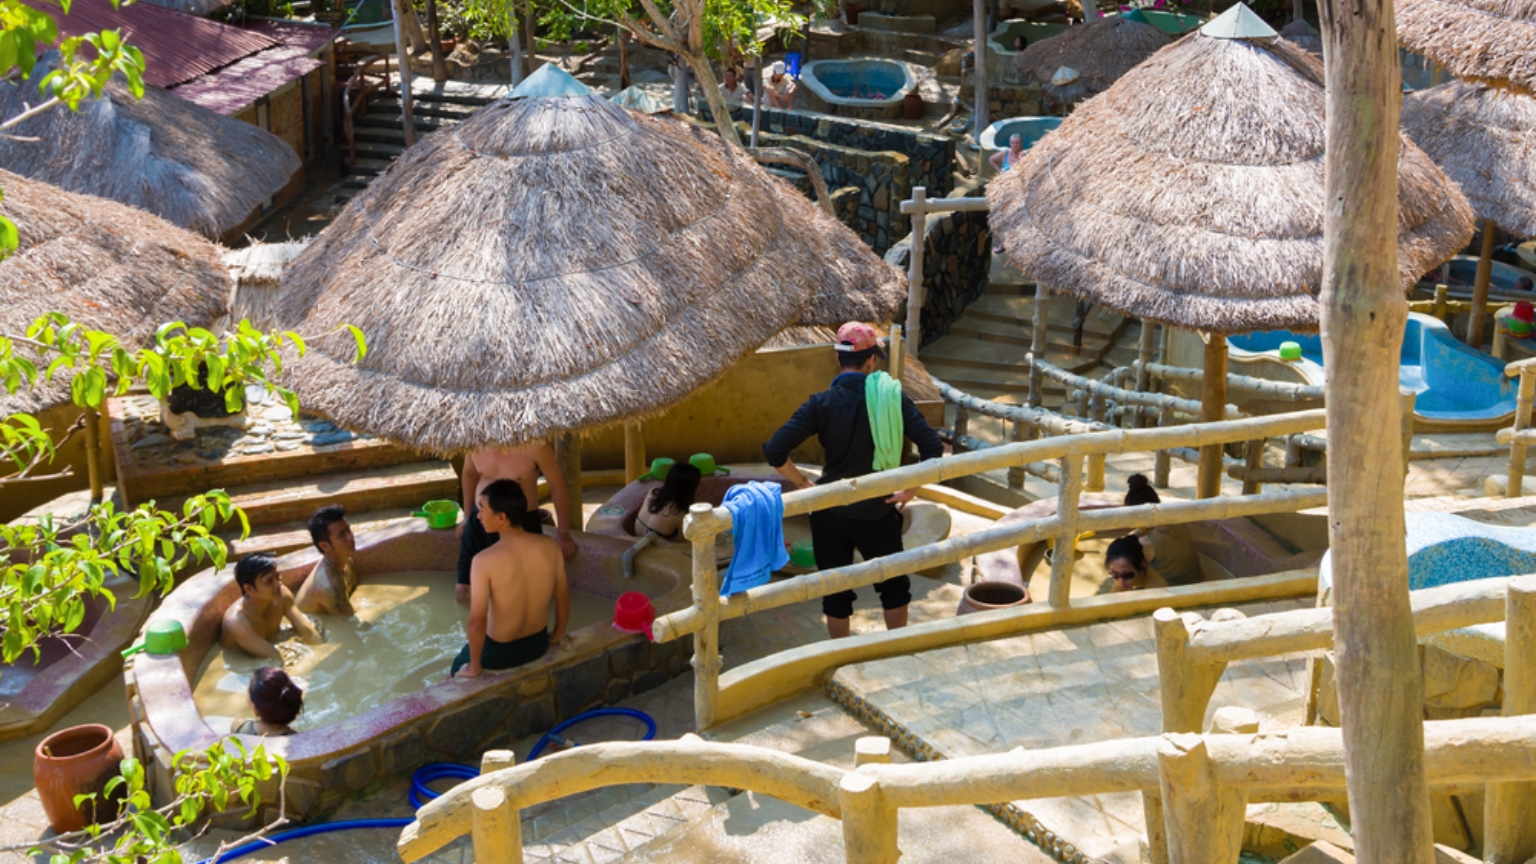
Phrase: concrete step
pixel 280 538
pixel 405 486
pixel 423 107
pixel 368 167
pixel 442 99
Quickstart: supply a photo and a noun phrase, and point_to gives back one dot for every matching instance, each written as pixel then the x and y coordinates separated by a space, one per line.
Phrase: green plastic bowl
pixel 1518 327
pixel 439 514
pixel 661 466
pixel 802 555
pixel 706 464
pixel 1290 351
pixel 162 637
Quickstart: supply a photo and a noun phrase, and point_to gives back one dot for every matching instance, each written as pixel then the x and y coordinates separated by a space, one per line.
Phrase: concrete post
pixel 872 750
pixel 706 641
pixel 869 821
pixel 1204 820
pixel 497 833
pixel 1069 488
pixel 1509 814
pixel 1524 397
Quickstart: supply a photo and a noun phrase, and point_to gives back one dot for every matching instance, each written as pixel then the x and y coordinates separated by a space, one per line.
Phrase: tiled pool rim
pixel 889 107
pixel 449 721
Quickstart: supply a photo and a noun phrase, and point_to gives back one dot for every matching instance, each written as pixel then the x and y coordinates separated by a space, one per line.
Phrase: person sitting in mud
pixel 511 585
pixel 1127 566
pixel 1169 549
pixel 328 589
pixel 275 700
pixel 664 507
pixel 251 623
pixel 522 465
pixel 779 89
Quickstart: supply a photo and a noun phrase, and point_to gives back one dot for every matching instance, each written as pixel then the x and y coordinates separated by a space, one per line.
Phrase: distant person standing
pixel 839 417
pixel 779 88
pixel 522 465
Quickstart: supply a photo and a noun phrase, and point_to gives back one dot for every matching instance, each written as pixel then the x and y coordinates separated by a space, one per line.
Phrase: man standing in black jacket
pixel 839 419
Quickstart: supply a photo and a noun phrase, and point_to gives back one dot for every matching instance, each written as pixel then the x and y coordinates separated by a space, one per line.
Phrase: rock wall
pixel 956 259
pixel 1005 102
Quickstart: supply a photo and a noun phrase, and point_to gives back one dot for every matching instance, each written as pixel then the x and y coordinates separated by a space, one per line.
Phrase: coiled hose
pixel 421 793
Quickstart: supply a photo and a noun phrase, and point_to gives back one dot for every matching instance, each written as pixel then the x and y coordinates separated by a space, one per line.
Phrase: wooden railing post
pixel 962 426
pixel 1069 488
pixel 1253 462
pixel 1204 820
pixel 896 361
pixel 568 455
pixel 1527 394
pixel 634 451
pixel 869 821
pixel 497 833
pixel 1442 300
pixel 1019 431
pixel 1040 321
pixel 1162 463
pixel 1509 814
pixel 915 292
pixel 1095 481
pixel 1186 686
pixel 706 640
pixel 1409 400
pixel 872 750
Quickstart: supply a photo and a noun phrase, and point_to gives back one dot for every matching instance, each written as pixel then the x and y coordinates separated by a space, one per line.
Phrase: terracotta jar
pixel 76 761
pixel 982 596
pixel 912 106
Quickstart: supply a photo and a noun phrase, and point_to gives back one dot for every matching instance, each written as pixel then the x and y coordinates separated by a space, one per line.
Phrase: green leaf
pixel 7 52
pixel 10 239
pixel 362 344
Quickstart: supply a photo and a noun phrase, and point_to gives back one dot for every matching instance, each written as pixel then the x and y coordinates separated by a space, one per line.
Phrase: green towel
pixel 882 397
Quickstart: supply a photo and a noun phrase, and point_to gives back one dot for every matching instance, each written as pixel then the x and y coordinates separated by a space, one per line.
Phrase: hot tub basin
pixel 995 138
pixel 867 88
pixel 452 720
pixel 922 522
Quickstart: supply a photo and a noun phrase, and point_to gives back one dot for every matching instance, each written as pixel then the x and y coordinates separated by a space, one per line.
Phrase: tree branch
pixel 30 113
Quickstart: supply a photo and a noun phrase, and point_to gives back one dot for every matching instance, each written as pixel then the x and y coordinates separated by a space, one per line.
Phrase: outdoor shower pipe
pixel 420 793
pixel 630 553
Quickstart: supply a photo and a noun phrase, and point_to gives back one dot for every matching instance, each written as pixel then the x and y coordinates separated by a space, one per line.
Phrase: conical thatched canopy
pixel 1493 41
pixel 163 154
pixel 1485 139
pixel 1202 207
pixel 1101 51
pixel 106 265
pixel 559 264
pixel 1300 32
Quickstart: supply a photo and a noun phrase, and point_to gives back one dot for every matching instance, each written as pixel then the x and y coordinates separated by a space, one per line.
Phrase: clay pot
pixel 851 13
pixel 76 761
pixel 991 595
pixel 912 106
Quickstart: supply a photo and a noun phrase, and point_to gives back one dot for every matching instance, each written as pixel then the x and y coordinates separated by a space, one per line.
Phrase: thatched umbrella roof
pixel 1485 139
pixel 106 265
pixel 1101 51
pixel 557 263
pixel 1493 42
pixel 188 165
pixel 1202 207
pixel 1300 32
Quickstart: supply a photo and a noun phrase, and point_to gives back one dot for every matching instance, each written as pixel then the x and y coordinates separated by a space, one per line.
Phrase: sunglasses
pixel 1122 577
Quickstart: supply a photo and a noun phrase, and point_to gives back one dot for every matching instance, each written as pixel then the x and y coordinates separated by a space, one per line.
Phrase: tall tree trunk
pixel 623 40
pixel 531 52
pixel 514 48
pixel 413 29
pixel 979 10
pixel 1381 696
pixel 435 43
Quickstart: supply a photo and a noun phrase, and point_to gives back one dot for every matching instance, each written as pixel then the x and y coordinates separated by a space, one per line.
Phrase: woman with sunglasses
pixel 1127 566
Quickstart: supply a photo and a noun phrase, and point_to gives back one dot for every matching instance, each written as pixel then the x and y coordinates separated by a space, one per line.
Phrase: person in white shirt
pixel 779 88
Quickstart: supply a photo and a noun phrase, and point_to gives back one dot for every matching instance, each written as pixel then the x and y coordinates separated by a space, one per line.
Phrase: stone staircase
pixel 380 133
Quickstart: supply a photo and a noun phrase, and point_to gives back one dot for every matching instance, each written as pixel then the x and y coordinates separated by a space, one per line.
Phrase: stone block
pixel 303 796
pixel 401 752
pixel 578 686
pixel 533 686
pixel 461 731
pixel 629 656
pixel 676 666
pixel 352 770
pixel 1321 852
pixel 1457 683
pixel 535 715
pixel 618 691
pixel 647 681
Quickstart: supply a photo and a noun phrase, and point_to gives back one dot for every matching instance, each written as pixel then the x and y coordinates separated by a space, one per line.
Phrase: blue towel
pixel 757 520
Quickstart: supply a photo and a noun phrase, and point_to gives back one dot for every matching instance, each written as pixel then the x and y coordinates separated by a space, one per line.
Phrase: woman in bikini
pixel 275 699
pixel 665 506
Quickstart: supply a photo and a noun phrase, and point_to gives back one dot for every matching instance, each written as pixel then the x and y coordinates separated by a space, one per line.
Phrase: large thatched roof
pixel 106 265
pixel 1101 51
pixel 194 168
pixel 1300 32
pixel 557 264
pixel 1202 207
pixel 1485 140
pixel 1493 41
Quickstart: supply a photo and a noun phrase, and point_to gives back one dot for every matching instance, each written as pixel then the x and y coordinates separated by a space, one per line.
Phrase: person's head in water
pixel 1524 284
pixel 331 534
pixel 1126 563
pixel 858 346
pixel 275 698
pixel 1019 42
pixel 1138 490
pixel 502 506
pixel 257 577
pixel 679 489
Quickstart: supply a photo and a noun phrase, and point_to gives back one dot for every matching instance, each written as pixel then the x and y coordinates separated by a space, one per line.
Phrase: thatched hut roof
pixel 1202 207
pixel 1493 42
pixel 1101 51
pixel 194 168
pixel 1300 32
pixel 558 263
pixel 1483 138
pixel 105 265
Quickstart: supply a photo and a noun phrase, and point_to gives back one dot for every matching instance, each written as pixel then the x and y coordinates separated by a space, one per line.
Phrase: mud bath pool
pixel 405 635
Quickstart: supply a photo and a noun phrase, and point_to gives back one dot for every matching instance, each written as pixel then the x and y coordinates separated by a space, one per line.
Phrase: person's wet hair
pixel 506 497
pixel 252 567
pixel 275 697
pixel 320 523
pixel 679 489
pixel 1127 548
pixel 1138 490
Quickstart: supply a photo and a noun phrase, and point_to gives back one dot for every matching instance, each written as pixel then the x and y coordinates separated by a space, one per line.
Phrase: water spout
pixel 631 552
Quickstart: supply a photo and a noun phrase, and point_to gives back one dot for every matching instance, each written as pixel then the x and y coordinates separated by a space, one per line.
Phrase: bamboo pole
pixel 568 455
pixel 1509 812
pixel 1525 397
pixel 1068 491
pixel 1253 463
pixel 1018 431
pixel 1480 289
pixel 1040 320
pixel 979 21
pixel 706 640
pixel 896 361
pixel 1381 696
pixel 915 296
pixel 1162 462
pixel 869 821
pixel 407 112
pixel 634 451
pixel 1213 401
pixel 93 454
pixel 1203 818
pixel 496 831
pixel 1244 383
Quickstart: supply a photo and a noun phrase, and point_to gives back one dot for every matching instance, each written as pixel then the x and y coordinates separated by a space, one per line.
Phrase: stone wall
pixel 1005 102
pixel 932 156
pixel 956 259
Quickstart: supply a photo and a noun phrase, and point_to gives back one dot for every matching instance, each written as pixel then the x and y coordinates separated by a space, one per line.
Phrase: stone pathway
pixel 271 428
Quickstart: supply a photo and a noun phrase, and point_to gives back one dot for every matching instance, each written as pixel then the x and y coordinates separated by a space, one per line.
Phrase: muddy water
pixel 404 637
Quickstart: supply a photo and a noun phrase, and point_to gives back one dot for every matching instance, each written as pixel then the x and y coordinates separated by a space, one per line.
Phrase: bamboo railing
pixel 1520 435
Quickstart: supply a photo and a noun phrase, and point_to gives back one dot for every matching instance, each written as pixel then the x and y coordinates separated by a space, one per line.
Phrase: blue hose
pixel 421 793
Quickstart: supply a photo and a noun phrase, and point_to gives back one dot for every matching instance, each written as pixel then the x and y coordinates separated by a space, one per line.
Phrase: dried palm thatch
pixel 559 264
pixel 105 265
pixel 1101 51
pixel 1493 41
pixel 1485 140
pixel 180 161
pixel 1301 33
pixel 1203 207
pixel 257 271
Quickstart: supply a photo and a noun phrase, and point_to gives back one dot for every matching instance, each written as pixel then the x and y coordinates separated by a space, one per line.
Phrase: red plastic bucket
pixel 633 613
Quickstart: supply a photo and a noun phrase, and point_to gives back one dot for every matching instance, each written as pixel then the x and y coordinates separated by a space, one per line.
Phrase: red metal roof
pixel 243 82
pixel 177 47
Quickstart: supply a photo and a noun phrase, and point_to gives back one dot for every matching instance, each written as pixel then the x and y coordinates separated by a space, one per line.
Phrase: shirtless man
pixel 328 590
pixel 252 622
pixel 523 465
pixel 511 586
